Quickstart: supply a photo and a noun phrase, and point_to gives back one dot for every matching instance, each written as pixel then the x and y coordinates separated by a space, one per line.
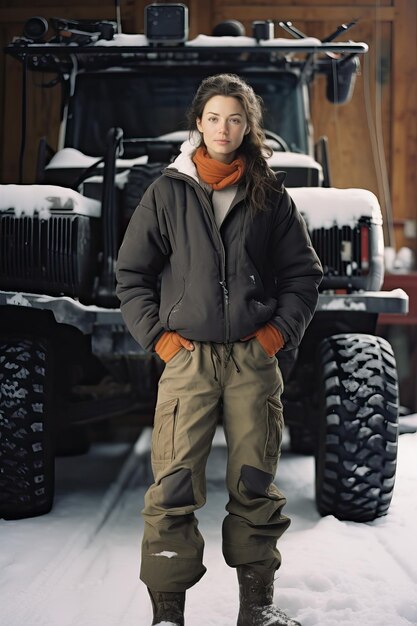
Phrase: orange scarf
pixel 215 173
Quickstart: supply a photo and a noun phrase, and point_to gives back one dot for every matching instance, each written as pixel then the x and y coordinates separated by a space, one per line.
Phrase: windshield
pixel 155 103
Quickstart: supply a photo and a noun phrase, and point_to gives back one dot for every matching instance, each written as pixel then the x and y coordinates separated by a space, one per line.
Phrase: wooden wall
pixel 373 140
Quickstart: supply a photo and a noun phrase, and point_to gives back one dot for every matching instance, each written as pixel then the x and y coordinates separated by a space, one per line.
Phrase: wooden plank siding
pixel 376 133
pixel 404 122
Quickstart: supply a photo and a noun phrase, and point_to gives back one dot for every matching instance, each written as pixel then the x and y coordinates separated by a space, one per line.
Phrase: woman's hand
pixel 169 343
pixel 269 337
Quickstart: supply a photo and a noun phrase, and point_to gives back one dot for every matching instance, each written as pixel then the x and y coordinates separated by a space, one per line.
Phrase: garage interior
pixel 372 140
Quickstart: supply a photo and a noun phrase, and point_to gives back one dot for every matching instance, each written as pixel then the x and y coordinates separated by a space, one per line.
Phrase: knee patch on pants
pixel 256 481
pixel 177 489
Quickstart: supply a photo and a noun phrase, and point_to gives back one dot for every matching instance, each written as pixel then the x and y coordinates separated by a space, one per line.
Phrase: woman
pixel 239 282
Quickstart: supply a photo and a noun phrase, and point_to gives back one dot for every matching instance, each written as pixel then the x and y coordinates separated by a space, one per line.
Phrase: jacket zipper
pixel 226 310
pixel 206 203
pixel 222 282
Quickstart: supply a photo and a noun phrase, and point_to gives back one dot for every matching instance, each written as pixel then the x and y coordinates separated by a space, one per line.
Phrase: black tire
pixel 26 441
pixel 358 432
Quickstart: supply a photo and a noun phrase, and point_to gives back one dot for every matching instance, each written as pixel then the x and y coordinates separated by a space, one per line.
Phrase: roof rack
pixel 307 54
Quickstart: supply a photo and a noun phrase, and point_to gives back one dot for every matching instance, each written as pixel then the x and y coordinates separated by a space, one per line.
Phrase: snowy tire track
pixel 31 599
pixel 400 560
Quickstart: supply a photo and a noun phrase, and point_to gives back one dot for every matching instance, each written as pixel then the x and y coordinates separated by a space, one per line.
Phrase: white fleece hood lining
pixel 183 163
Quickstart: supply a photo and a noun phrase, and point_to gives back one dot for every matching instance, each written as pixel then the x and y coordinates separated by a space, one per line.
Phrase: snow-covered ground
pixel 78 566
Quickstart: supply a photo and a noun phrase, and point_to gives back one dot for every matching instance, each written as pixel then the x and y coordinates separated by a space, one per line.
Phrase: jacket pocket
pixel 164 431
pixel 275 426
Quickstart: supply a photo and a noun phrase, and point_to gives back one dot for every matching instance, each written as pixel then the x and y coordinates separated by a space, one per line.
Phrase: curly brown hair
pixel 258 175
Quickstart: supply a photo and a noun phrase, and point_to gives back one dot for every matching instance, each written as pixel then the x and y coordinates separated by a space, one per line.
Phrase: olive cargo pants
pixel 249 383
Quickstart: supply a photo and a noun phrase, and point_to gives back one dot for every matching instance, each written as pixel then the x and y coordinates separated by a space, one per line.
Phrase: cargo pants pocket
pixel 163 450
pixel 275 426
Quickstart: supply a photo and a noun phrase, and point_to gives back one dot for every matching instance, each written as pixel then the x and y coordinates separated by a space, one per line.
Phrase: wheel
pixel 269 134
pixel 358 432
pixel 26 442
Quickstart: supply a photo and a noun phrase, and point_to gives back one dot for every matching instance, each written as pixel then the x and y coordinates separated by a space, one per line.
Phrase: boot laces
pixel 258 600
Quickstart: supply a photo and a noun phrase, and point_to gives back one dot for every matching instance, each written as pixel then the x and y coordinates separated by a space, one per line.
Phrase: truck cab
pixel 66 357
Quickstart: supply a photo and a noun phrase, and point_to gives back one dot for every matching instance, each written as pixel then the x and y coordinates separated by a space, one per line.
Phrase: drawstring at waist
pixel 228 356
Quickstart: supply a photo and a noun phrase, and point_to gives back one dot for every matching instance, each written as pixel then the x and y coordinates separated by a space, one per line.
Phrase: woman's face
pixel 223 126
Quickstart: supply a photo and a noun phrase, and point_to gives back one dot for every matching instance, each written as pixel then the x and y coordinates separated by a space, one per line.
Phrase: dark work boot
pixel 256 592
pixel 168 607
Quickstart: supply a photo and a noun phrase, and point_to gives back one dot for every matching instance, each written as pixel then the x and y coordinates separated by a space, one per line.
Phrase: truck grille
pixel 53 256
pixel 344 254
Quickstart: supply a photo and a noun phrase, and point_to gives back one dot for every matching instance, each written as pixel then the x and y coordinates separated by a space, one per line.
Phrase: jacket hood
pixel 183 162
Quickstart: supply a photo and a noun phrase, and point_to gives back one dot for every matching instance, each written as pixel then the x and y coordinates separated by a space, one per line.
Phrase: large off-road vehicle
pixel 65 355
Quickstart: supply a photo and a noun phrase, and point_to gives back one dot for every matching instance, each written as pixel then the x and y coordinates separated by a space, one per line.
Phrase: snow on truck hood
pixel 320 207
pixel 26 200
pixel 324 207
pixel 73 158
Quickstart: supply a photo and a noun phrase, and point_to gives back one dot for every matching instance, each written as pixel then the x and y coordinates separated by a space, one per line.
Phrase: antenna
pixel 340 29
pixel 118 18
pixel 288 26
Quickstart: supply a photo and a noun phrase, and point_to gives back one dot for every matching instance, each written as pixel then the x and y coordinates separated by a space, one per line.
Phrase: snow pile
pixel 124 40
pixel 326 207
pixel 286 41
pixel 140 40
pixel 120 180
pixel 228 41
pixel 293 159
pixel 72 158
pixel 28 200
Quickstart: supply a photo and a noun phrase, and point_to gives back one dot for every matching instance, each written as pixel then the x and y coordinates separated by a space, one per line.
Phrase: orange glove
pixel 169 343
pixel 269 337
